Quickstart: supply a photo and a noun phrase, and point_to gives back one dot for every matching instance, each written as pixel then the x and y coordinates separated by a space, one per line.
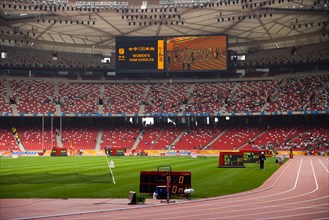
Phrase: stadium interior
pixel 60 86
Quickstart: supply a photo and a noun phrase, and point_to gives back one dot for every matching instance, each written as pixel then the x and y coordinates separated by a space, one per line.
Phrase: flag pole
pixel 109 164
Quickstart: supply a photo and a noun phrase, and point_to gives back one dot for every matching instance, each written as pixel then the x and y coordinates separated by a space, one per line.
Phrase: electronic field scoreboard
pixel 150 180
pixel 140 54
pixel 231 159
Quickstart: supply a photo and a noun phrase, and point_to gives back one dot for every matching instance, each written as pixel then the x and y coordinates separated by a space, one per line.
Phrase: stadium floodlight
pixel 102 5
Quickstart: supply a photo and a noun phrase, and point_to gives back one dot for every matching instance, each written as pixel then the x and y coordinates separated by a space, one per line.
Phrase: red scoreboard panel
pixel 140 54
pixel 149 180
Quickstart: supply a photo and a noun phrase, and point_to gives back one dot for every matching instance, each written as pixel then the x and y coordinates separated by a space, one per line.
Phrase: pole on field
pixel 110 164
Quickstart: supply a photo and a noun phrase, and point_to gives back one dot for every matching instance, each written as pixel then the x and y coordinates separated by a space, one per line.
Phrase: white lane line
pixel 277 211
pixel 323 165
pixel 229 196
pixel 188 214
pixel 179 209
pixel 321 218
pixel 193 201
pixel 274 184
pixel 296 215
pixel 315 179
pixel 262 202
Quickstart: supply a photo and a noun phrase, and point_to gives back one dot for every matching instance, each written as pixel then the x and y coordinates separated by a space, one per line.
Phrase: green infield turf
pixel 88 177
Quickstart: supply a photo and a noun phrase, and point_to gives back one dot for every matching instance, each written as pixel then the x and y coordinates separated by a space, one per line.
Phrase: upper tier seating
pixel 49 59
pixel 79 97
pixel 123 98
pixel 33 96
pixel 4 98
pixel 210 97
pixel 294 55
pixel 251 96
pixel 166 98
pixel 276 95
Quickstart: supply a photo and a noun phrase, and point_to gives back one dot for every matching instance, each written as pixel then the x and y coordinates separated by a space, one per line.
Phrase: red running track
pixel 298 190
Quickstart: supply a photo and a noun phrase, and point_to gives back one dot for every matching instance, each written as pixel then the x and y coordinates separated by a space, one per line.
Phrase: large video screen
pixel 196 53
pixel 140 54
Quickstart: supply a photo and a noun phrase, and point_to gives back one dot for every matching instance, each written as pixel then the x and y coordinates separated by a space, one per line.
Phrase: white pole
pixel 43 132
pixel 51 133
pixel 60 128
pixel 108 163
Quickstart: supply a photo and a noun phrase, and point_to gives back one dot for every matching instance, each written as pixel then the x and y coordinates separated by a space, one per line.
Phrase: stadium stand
pixel 119 136
pixel 123 98
pixel 274 94
pixel 196 138
pixel 187 101
pixel 7 140
pixel 33 139
pixel 166 138
pixel 50 59
pixel 33 96
pixel 5 98
pixel 79 98
pixel 79 137
pixel 235 137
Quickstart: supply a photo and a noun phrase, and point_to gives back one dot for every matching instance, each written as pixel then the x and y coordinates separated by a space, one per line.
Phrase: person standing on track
pixel 261 160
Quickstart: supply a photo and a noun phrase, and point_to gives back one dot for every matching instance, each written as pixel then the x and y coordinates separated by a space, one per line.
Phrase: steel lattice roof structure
pixel 86 26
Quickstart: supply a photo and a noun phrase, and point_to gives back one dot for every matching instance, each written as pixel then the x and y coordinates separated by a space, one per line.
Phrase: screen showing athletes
pixel 196 53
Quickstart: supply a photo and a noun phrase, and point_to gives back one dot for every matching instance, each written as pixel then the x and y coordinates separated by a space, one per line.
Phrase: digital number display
pixel 140 54
pixel 149 180
pixel 231 159
pixel 250 157
pixel 59 152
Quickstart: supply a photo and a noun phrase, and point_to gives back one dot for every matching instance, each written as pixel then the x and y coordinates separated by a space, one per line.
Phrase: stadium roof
pixel 91 26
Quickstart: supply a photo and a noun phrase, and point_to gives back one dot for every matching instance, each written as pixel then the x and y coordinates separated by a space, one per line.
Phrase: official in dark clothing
pixel 261 160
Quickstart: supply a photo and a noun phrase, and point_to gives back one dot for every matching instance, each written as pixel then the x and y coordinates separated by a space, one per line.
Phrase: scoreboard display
pixel 160 54
pixel 116 152
pixel 196 53
pixel 150 180
pixel 231 159
pixel 140 54
pixel 58 152
pixel 250 156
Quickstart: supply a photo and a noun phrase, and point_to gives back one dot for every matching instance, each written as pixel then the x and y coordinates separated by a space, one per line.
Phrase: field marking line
pixel 323 166
pixel 295 215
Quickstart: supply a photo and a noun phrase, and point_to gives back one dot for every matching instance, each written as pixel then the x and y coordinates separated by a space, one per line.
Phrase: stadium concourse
pixel 298 190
